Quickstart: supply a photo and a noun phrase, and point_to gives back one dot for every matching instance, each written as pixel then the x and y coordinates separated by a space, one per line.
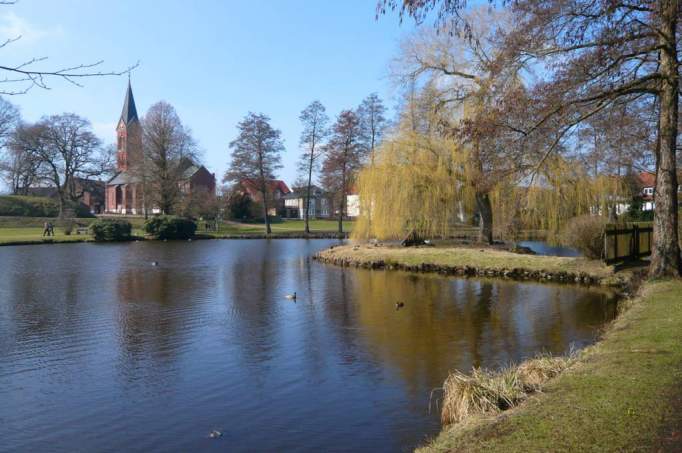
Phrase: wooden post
pixel 635 245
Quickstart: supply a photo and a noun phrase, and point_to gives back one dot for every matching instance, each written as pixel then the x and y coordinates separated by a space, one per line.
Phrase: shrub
pixel 239 206
pixel 170 227
pixel 111 230
pixel 586 234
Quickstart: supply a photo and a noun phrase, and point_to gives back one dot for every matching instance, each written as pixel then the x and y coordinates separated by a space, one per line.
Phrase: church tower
pixel 128 133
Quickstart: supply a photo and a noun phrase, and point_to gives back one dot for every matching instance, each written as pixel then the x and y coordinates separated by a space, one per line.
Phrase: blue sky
pixel 213 60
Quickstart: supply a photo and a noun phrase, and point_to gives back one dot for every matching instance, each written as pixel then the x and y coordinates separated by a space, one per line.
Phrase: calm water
pixel 100 351
pixel 544 248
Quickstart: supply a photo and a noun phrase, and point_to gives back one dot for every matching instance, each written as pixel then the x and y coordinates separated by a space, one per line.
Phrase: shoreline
pixel 620 394
pixel 477 262
pixel 199 237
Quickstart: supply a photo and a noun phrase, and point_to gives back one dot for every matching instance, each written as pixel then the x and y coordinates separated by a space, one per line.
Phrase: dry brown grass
pixel 485 392
pixel 535 373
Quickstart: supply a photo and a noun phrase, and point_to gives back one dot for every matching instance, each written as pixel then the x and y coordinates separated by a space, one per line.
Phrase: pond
pixel 102 351
pixel 547 249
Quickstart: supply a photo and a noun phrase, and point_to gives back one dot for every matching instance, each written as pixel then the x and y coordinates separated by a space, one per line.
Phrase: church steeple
pixel 129 113
pixel 129 133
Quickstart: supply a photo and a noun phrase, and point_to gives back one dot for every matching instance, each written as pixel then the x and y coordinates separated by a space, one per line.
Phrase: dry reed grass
pixel 487 392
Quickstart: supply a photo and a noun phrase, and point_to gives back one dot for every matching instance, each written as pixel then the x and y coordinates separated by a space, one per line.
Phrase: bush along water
pixel 170 227
pixel 586 234
pixel 111 230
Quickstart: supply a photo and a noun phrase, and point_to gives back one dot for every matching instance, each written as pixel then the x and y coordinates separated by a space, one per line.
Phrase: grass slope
pixel 624 393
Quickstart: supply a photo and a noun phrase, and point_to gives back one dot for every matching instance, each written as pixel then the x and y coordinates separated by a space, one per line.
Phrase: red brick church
pixel 123 194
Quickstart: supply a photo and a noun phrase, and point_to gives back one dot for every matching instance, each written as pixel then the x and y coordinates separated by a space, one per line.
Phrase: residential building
pixel 276 189
pixel 320 203
pixel 352 205
pixel 647 184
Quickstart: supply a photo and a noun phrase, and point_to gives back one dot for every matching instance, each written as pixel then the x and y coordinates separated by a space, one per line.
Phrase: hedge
pixel 170 227
pixel 111 230
pixel 27 206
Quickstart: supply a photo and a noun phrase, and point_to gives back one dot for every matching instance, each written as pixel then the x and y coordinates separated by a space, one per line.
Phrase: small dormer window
pixel 648 191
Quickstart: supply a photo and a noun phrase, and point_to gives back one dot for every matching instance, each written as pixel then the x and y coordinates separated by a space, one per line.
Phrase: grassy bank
pixel 29 230
pixel 476 261
pixel 34 235
pixel 622 394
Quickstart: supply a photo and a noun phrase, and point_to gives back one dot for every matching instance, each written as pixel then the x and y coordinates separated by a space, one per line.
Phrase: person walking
pixel 46 229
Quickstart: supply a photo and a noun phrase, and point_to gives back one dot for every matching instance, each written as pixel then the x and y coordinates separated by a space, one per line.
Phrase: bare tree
pixel 344 156
pixel 371 114
pixel 597 53
pixel 314 120
pixel 256 155
pixel 12 166
pixel 168 150
pixel 64 148
pixel 472 97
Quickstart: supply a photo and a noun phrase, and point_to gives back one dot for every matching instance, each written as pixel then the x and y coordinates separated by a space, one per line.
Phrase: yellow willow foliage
pixel 416 183
pixel 424 184
pixel 562 190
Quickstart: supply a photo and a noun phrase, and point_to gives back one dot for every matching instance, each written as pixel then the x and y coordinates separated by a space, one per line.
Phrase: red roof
pixel 647 179
pixel 273 184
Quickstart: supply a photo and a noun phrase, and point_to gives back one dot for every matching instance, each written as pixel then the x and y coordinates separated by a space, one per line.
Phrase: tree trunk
pixel 485 212
pixel 268 231
pixel 307 198
pixel 61 204
pixel 343 197
pixel 665 256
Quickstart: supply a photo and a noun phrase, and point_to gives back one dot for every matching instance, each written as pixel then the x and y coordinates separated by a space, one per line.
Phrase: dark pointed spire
pixel 129 113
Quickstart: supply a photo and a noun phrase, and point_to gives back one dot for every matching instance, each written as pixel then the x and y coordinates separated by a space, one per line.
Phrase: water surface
pixel 100 351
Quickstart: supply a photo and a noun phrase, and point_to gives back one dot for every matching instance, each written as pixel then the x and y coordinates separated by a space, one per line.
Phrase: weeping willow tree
pixel 422 184
pixel 415 184
pixel 469 145
pixel 564 189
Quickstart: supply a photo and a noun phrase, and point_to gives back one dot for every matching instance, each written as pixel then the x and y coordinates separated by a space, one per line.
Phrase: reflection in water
pixel 101 351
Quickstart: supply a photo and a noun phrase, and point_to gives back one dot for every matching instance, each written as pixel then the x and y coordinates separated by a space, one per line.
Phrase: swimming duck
pixel 291 296
pixel 399 305
pixel 215 434
pixel 155 263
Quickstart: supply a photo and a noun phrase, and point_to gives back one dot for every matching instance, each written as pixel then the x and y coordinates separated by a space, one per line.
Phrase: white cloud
pixel 13 26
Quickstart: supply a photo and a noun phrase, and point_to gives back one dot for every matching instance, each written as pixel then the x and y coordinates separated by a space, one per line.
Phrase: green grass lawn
pixel 30 229
pixel 285 226
pixel 35 234
pixel 623 394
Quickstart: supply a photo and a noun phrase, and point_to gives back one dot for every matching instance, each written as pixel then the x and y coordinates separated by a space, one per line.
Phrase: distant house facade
pixel 276 189
pixel 320 203
pixel 647 184
pixel 353 205
pixel 124 192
